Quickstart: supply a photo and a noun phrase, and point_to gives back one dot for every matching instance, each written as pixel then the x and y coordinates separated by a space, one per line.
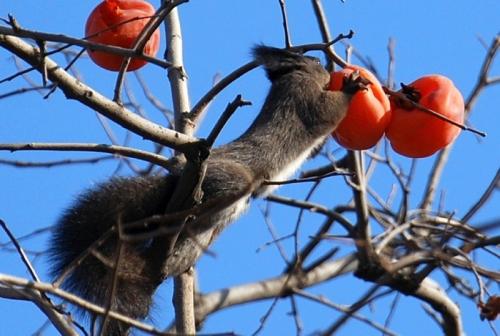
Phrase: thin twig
pixel 296 233
pixel 313 208
pixel 66 68
pixel 22 91
pixel 111 294
pixel 200 106
pixel 276 241
pixel 155 101
pixel 299 326
pixel 360 303
pixel 32 234
pixel 286 29
pixel 324 301
pixel 494 185
pixel 324 28
pixel 392 311
pixel 226 115
pixel 402 96
pixel 20 251
pixel 142 39
pixel 26 286
pixel 82 43
pixel 308 179
pixel 88 147
pixel 391 66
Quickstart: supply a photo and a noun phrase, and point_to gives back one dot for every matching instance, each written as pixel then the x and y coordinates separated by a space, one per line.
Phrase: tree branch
pixel 88 147
pixel 186 194
pixel 21 32
pixel 25 287
pixel 270 288
pixel 75 89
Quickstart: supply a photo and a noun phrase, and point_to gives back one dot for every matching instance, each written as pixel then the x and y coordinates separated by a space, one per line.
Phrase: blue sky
pixel 431 37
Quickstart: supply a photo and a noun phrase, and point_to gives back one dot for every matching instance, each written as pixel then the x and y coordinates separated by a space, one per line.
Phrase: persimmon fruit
pixel 416 133
pixel 368 113
pixel 118 23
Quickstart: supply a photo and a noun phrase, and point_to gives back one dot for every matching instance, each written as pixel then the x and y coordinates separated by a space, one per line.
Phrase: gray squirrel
pixel 298 115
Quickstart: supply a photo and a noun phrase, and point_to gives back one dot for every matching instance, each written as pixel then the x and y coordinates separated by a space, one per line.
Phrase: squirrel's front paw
pixel 354 82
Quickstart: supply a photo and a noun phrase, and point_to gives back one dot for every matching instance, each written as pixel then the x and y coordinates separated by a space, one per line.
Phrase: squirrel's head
pixel 279 62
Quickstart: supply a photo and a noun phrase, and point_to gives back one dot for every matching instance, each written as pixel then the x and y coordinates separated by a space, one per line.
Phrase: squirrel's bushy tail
pixel 83 244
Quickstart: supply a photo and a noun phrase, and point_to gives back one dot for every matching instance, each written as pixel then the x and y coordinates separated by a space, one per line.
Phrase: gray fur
pixel 297 116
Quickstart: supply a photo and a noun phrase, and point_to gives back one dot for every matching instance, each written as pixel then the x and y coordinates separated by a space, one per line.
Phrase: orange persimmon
pixel 119 23
pixel 416 133
pixel 368 114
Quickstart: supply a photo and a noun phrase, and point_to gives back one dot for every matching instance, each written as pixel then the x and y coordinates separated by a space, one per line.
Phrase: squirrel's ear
pixel 277 62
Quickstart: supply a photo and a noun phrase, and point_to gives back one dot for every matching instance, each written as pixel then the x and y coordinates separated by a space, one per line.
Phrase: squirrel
pixel 295 120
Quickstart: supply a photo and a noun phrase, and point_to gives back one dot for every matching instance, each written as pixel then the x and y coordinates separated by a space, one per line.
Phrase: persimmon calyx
pixel 411 93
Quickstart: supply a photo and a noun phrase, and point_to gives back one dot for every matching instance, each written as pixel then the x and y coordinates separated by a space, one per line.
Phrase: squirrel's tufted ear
pixel 278 62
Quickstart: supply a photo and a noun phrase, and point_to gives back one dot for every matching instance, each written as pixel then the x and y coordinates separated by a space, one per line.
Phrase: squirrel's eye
pixel 316 60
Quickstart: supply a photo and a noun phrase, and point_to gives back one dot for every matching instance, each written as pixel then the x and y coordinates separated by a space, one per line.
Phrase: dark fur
pixel 297 115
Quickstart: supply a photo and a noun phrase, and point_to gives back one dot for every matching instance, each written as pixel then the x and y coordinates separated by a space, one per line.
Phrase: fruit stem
pixel 414 104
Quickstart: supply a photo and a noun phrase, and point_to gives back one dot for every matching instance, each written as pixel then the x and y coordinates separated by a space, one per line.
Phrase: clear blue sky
pixel 431 37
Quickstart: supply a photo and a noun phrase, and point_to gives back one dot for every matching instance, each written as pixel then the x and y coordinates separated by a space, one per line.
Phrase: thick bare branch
pixel 183 302
pixel 74 89
pixel 188 189
pixel 430 292
pixel 211 302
